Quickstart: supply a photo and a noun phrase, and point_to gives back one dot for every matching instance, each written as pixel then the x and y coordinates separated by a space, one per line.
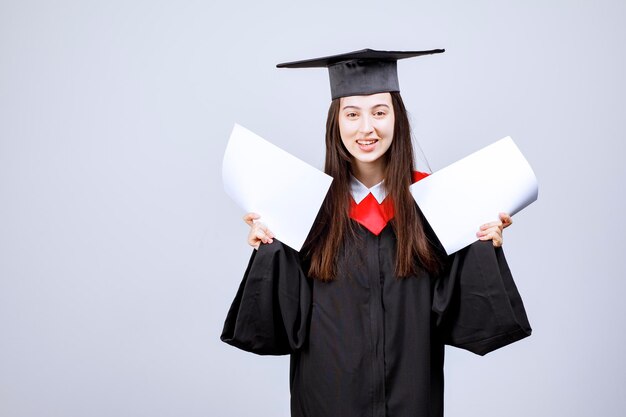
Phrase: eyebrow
pixel 373 107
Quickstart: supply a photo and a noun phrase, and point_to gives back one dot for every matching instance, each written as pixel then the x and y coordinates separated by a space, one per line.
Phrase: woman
pixel 367 305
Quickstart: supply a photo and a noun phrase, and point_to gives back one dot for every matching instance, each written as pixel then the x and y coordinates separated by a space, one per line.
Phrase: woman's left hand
pixel 493 231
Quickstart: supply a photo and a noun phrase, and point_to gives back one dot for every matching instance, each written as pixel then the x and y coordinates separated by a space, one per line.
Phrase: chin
pixel 369 160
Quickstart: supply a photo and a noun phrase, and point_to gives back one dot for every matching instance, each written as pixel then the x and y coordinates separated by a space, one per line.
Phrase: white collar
pixel 360 191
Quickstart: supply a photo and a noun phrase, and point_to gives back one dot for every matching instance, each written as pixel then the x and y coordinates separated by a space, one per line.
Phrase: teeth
pixel 366 142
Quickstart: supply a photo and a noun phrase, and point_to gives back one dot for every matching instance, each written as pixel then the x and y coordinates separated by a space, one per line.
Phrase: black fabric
pixel 361 72
pixel 363 54
pixel 360 77
pixel 368 343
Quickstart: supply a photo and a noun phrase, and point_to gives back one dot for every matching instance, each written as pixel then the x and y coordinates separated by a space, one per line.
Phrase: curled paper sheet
pixel 264 179
pixel 458 199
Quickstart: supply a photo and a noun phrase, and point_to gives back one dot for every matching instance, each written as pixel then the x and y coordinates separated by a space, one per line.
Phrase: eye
pixel 351 115
pixel 380 113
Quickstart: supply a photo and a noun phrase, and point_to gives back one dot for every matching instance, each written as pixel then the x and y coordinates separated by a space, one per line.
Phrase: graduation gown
pixel 369 343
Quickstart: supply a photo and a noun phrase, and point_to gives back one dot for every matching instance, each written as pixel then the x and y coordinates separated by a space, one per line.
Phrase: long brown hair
pixel 333 225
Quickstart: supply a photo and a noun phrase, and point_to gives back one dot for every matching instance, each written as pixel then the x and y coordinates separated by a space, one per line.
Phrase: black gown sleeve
pixel 476 303
pixel 269 315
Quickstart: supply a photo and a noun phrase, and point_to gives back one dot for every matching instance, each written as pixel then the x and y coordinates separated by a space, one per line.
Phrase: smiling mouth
pixel 366 142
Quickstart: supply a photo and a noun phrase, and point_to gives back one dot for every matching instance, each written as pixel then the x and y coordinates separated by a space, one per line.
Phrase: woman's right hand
pixel 259 233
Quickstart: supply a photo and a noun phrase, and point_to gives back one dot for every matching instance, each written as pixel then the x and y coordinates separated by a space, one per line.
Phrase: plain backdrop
pixel 120 253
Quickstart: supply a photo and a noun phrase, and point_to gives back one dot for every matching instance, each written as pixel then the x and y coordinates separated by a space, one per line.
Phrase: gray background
pixel 120 253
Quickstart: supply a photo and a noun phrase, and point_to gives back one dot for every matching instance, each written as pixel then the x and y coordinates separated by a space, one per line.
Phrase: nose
pixel 366 127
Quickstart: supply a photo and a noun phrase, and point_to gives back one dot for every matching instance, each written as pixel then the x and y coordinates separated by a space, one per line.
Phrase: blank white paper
pixel 262 178
pixel 458 199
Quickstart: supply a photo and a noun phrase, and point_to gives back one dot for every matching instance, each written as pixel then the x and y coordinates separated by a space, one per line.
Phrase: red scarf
pixel 373 216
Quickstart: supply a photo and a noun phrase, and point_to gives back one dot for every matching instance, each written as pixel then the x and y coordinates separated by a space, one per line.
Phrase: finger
pixel 259 225
pixel 264 228
pixel 489 225
pixel 487 231
pixel 485 235
pixel 259 234
pixel 506 219
pixel 263 236
pixel 249 218
pixel 495 236
pixel 256 239
pixel 268 232
pixel 497 239
pixel 497 242
pixel 256 235
pixel 255 243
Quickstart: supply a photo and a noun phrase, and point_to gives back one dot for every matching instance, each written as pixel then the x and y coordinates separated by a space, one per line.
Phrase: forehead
pixel 368 101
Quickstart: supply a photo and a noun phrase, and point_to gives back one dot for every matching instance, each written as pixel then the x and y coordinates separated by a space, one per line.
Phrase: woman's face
pixel 366 127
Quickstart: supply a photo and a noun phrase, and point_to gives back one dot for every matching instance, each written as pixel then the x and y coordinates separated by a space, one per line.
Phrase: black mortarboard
pixel 361 72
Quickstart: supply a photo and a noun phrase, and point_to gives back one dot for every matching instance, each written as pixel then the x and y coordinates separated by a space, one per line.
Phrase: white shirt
pixel 360 191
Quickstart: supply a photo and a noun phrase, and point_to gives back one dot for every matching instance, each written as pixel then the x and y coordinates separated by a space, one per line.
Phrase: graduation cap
pixel 361 72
